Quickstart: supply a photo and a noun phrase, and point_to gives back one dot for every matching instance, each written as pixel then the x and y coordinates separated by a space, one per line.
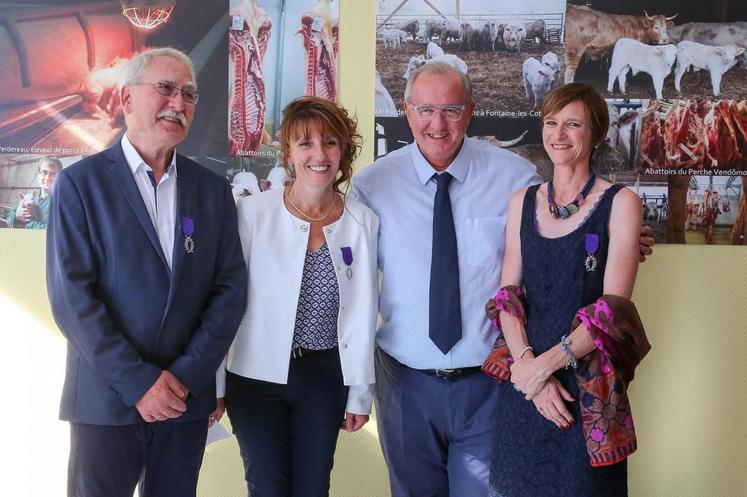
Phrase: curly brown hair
pixel 330 118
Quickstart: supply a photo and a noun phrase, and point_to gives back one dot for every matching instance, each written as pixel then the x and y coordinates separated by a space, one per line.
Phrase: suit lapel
pixel 123 177
pixel 185 184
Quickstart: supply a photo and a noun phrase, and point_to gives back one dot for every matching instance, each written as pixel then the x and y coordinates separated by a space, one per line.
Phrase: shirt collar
pixel 135 162
pixel 458 167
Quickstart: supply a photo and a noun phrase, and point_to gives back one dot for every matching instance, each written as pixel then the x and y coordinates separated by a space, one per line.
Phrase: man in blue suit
pixel 147 283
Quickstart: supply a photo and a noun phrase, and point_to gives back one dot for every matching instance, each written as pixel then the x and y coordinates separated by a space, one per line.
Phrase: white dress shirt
pixel 160 200
pixel 399 189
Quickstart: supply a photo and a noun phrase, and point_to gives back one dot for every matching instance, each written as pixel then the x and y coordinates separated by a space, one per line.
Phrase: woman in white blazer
pixel 301 366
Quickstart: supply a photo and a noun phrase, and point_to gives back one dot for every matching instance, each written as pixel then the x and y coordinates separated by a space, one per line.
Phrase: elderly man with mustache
pixel 147 282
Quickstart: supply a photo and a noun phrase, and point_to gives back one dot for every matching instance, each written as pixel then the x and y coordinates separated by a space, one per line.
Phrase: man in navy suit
pixel 147 282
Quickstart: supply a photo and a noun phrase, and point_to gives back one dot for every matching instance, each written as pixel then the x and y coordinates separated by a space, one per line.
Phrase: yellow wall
pixel 688 397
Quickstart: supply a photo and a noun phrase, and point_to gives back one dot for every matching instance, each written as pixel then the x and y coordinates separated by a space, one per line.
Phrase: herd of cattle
pixel 652 44
pixel 484 34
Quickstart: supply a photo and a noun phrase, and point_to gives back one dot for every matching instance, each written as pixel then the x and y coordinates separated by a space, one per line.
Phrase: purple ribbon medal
pixel 188 229
pixel 591 245
pixel 347 258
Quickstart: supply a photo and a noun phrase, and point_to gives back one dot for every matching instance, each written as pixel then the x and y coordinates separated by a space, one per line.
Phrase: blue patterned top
pixel 318 304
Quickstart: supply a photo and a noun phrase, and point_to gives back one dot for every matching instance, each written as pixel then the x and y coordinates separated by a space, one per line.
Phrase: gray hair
pixel 438 68
pixel 49 161
pixel 133 71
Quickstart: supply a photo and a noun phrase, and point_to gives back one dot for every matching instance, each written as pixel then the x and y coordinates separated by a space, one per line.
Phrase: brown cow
pixel 592 33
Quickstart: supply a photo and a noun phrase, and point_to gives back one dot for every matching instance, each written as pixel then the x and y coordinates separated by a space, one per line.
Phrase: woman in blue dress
pixel 564 426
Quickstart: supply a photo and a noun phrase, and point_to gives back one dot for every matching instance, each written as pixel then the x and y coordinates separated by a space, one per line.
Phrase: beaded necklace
pixel 312 219
pixel 565 211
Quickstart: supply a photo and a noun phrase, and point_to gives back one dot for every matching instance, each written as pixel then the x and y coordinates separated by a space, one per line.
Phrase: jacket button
pixel 328 230
pixel 345 346
pixel 304 228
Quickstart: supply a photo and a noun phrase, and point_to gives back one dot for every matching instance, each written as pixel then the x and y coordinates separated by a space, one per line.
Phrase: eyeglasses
pixel 167 89
pixel 451 112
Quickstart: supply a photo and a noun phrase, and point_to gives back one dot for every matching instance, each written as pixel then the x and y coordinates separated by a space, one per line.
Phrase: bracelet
pixel 570 359
pixel 525 350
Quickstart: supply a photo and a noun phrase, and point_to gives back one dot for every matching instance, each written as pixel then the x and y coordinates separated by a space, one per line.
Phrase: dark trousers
pixel 163 458
pixel 287 434
pixel 436 434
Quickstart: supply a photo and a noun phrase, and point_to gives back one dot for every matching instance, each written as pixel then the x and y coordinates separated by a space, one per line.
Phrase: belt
pixel 451 374
pixel 302 353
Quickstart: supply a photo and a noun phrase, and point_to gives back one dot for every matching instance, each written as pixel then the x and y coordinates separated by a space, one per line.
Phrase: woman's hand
pixel 529 375
pixel 220 408
pixel 353 422
pixel 550 403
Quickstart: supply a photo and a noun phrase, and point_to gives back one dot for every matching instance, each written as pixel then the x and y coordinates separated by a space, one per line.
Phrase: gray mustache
pixel 173 115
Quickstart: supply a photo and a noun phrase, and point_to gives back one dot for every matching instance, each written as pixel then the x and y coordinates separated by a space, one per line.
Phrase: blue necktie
pixel 445 311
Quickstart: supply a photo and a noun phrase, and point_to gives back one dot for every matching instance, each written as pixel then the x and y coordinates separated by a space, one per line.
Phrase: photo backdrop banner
pixel 674 75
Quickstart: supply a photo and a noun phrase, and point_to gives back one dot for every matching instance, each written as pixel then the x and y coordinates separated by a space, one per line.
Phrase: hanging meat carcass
pixel 721 137
pixel 738 115
pixel 684 138
pixel 247 44
pixel 319 31
pixel 652 153
pixel 671 126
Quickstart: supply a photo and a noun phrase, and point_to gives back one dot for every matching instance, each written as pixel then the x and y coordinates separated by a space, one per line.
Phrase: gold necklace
pixel 312 219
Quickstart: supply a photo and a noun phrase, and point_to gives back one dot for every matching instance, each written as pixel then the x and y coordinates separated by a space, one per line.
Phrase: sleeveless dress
pixel 531 456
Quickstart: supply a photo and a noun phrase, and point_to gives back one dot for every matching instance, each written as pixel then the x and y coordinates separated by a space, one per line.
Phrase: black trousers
pixel 163 458
pixel 287 434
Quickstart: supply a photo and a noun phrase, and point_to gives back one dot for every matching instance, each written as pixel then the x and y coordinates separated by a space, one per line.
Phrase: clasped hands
pixel 530 376
pixel 163 400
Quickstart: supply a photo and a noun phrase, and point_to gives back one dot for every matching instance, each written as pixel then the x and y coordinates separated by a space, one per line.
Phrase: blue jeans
pixel 287 434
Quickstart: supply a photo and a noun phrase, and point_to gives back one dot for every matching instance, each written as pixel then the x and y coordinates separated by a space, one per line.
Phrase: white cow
pixel 717 60
pixel 433 50
pixel 632 55
pixel 277 178
pixel 514 34
pixel 467 35
pixel 713 33
pixel 433 28
pixel 450 30
pixel 391 39
pixel 550 59
pixel 538 80
pixel 448 58
pixel 384 105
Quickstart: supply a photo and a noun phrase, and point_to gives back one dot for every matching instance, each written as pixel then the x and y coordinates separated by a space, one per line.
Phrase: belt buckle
pixel 445 373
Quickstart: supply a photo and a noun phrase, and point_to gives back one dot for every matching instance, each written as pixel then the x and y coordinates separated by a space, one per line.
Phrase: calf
pixel 551 61
pixel 538 79
pixel 391 39
pixel 713 33
pixel 514 34
pixel 638 57
pixel 433 50
pixel 448 58
pixel 717 60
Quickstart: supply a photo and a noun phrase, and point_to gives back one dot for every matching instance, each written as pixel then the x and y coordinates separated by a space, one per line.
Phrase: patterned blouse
pixel 318 304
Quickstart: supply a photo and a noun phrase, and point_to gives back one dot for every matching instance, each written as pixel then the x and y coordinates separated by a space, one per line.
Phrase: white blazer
pixel 274 244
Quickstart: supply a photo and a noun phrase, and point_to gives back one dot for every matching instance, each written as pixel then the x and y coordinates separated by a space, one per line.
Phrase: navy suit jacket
pixel 125 315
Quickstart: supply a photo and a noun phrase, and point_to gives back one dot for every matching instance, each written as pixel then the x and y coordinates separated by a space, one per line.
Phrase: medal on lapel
pixel 188 229
pixel 591 245
pixel 347 258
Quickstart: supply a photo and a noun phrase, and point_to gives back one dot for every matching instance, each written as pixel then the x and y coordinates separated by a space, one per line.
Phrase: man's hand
pixel 353 422
pixel 646 242
pixel 163 400
pixel 24 214
pixel 220 408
